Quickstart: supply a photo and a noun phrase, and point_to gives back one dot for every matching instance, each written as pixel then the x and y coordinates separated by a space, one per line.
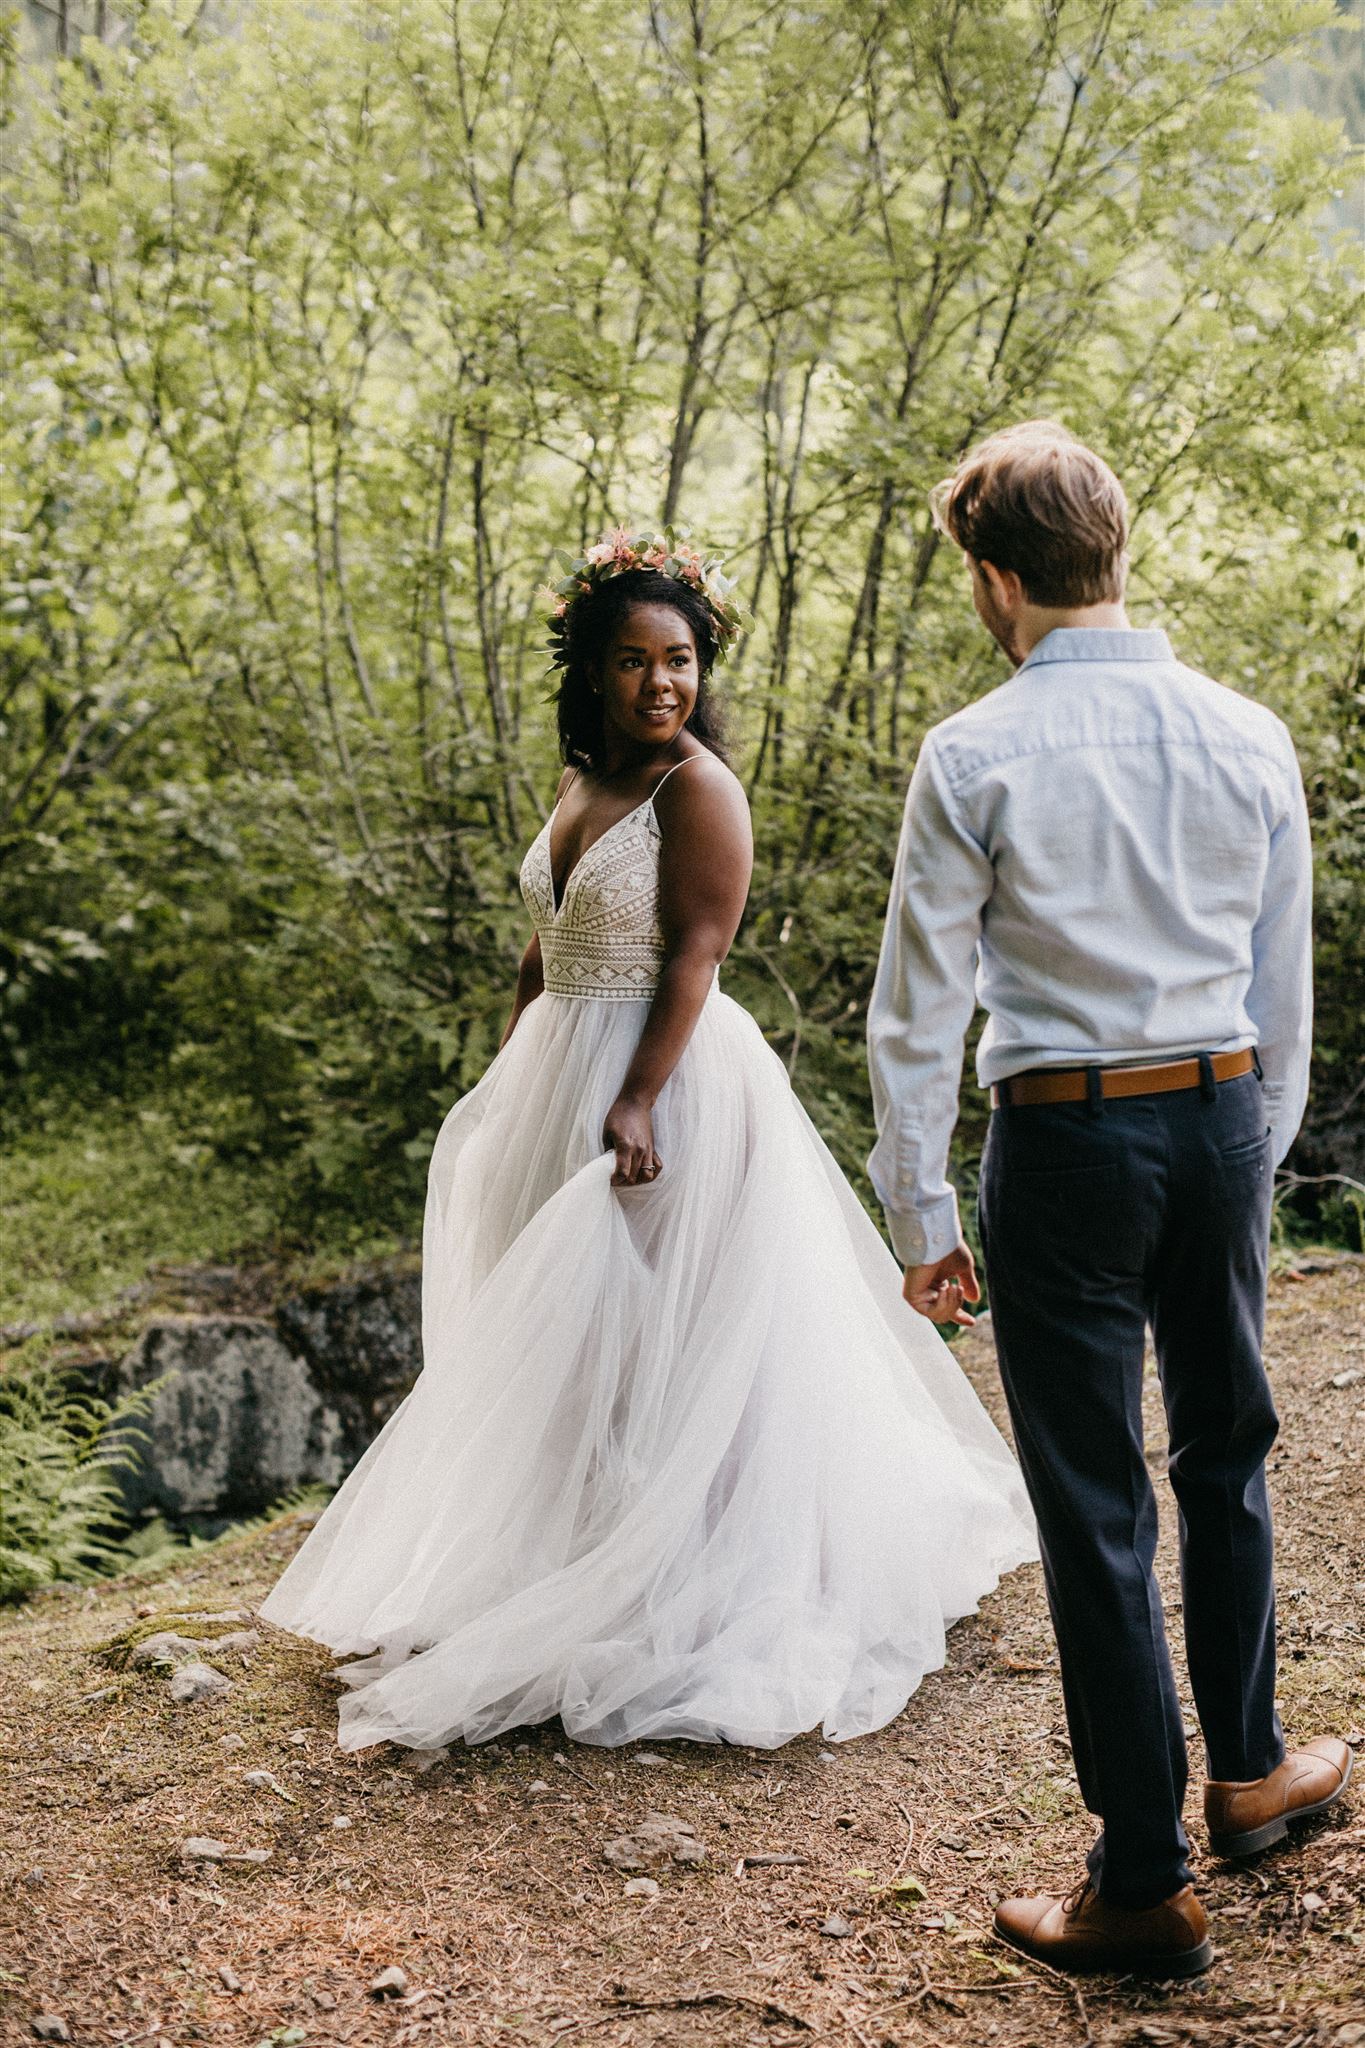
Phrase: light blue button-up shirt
pixel 1110 853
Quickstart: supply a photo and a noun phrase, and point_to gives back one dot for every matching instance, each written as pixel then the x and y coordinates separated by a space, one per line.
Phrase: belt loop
pixel 1094 1091
pixel 1208 1087
pixel 1002 1089
pixel 1256 1063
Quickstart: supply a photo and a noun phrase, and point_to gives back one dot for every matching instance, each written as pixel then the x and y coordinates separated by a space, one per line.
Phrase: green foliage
pixel 59 1498
pixel 91 1195
pixel 320 337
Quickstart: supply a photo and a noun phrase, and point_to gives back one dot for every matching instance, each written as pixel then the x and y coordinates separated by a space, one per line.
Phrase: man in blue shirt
pixel 1110 852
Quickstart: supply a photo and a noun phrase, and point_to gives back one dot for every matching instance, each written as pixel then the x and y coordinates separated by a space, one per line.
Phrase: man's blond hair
pixel 1034 499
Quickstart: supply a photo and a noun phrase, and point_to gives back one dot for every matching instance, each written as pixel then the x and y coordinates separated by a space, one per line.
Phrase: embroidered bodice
pixel 604 940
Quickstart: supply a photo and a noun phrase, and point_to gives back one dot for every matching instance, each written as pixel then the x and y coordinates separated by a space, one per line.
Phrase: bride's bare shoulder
pixel 703 813
pixel 699 785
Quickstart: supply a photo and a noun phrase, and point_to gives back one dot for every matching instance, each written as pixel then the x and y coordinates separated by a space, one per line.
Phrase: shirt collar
pixel 1103 644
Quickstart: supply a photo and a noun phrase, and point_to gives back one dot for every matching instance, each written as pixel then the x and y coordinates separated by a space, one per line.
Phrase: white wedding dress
pixel 681 1461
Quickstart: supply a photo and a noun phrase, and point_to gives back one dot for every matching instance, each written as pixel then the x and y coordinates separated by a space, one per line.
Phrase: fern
pixel 60 1505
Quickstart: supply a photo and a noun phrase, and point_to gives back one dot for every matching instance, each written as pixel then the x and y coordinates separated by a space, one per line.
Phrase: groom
pixel 1111 853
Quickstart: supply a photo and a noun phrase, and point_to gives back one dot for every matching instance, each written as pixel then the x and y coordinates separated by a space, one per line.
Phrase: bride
pixel 680 1461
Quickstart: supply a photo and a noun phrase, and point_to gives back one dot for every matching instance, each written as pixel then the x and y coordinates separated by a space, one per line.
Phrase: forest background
pixel 323 327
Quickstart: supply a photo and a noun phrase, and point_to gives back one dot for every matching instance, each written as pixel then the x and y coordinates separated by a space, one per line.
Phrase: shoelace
pixel 1077 1896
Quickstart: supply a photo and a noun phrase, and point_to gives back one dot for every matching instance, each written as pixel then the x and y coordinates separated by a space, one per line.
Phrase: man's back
pixel 1120 847
pixel 1129 808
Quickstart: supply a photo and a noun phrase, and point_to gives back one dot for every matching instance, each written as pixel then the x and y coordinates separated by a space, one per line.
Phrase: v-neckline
pixel 556 909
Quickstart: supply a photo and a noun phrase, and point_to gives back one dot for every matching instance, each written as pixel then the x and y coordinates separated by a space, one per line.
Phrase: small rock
pixel 660 1838
pixel 166 1648
pixel 390 1983
pixel 1312 1902
pixel 298 1736
pixel 50 2026
pixel 266 1781
pixel 324 2001
pixel 537 1785
pixel 641 1888
pixel 203 1849
pixel 232 1742
pixel 1352 2035
pixel 35 1877
pixel 522 1749
pixel 242 1639
pixel 836 1927
pixel 198 1682
pixel 1350 1378
pixel 144 1613
pixel 342 1820
pixel 648 1758
pixel 247 1856
pixel 427 1759
pixel 826 1756
pixel 228 1978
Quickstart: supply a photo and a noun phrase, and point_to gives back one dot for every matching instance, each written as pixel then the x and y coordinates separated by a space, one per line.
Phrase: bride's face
pixel 650 675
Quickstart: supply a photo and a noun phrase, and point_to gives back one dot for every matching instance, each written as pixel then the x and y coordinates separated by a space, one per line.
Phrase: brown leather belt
pixel 1069 1084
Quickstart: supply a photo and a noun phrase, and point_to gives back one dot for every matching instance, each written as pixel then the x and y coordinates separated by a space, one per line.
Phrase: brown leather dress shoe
pixel 1081 1932
pixel 1244 1818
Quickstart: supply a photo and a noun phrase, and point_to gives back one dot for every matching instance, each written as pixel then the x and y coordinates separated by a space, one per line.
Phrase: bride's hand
pixel 629 1132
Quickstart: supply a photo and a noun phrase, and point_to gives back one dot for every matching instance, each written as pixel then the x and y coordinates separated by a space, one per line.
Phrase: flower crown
pixel 669 554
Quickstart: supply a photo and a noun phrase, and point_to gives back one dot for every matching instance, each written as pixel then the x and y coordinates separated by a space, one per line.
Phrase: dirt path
pixel 483 1878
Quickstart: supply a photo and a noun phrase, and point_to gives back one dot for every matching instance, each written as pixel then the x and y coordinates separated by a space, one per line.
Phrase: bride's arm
pixel 706 855
pixel 530 984
pixel 531 973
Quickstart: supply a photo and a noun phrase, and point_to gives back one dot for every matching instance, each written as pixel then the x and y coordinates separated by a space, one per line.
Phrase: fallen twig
pixel 685 2001
pixel 854 2029
pixel 1058 1977
pixel 909 1820
pixel 928 1989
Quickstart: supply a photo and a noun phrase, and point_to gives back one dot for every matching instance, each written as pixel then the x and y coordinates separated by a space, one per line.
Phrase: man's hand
pixel 939 1291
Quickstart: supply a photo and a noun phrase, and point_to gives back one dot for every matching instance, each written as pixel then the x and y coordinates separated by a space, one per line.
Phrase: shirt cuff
pixel 920 1237
pixel 1280 1138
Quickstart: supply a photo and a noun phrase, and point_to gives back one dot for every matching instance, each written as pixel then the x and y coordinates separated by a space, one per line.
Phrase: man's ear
pixel 1003 585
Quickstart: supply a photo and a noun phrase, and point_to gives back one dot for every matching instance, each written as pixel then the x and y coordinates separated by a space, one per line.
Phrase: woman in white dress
pixel 680 1461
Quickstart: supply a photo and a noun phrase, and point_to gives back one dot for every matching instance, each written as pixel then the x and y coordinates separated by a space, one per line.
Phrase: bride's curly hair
pixel 580 642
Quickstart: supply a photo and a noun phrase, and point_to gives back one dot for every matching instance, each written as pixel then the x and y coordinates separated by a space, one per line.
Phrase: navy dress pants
pixel 1099 1219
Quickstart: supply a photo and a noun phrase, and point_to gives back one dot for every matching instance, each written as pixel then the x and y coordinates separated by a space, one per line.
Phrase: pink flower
pixel 601 551
pixel 654 558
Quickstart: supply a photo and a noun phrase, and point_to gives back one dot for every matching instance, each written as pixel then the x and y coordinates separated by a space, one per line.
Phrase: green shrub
pixel 60 1451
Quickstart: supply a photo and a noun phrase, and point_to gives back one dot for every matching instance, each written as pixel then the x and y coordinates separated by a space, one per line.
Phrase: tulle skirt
pixel 681 1461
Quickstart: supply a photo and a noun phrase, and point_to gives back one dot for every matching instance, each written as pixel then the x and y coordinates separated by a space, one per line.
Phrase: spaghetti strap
pixel 669 771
